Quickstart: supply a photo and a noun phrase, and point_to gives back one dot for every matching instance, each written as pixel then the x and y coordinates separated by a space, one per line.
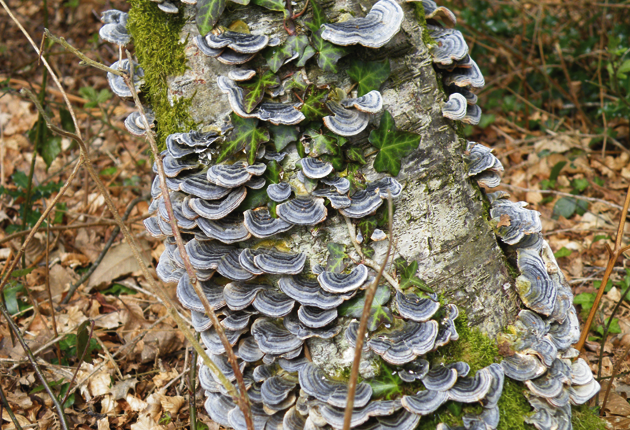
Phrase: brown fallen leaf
pixel 118 262
pixel 87 243
pixel 172 404
pixel 504 221
pixel 21 419
pixel 616 405
pixel 121 389
pixel 162 378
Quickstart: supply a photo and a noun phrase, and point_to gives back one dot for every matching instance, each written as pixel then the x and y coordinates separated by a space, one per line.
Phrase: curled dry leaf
pixel 163 378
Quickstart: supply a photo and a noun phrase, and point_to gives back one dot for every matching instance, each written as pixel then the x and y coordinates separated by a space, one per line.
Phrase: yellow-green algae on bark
pixel 479 351
pixel 156 38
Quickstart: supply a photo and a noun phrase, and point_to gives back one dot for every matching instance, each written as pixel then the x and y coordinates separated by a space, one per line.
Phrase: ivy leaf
pixel 254 90
pixel 83 341
pixel 336 256
pixel 208 13
pixel 355 153
pixel 283 135
pixel 408 278
pixel 337 161
pixel 387 385
pixel 295 81
pixel 367 227
pixel 320 143
pixel 314 107
pixel 245 136
pixel 272 174
pixel 379 315
pixel 277 5
pixel 292 48
pixel 354 306
pixel 308 53
pixel 319 17
pixel 369 75
pixel 329 54
pixel 394 145
pixel 254 199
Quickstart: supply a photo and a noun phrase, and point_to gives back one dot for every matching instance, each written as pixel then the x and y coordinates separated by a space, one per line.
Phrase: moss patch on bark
pixel 156 37
pixel 479 351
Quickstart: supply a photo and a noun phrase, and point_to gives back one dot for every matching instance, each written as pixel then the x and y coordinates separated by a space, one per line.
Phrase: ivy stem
pixel 369 297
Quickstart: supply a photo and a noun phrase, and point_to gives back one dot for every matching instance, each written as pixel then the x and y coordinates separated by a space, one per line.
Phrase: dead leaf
pixel 87 243
pixel 21 419
pixel 121 389
pixel 162 378
pixel 60 278
pixel 103 424
pixel 118 262
pixel 146 423
pixel 74 259
pixel 172 404
pixel 504 221
pixel 136 404
pixel 616 404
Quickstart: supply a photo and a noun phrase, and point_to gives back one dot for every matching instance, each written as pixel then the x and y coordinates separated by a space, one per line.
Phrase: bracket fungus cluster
pixel 237 195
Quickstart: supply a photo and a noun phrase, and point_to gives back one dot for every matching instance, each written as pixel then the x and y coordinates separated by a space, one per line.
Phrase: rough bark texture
pixel 440 220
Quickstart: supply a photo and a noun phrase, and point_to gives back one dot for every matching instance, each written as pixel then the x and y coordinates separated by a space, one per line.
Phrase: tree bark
pixel 440 220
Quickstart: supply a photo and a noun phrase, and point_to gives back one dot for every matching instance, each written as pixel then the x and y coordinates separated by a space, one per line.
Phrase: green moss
pixel 156 43
pixel 422 21
pixel 584 418
pixel 473 347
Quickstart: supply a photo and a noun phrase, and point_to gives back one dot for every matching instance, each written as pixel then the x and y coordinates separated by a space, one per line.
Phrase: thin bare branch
pixel 369 297
pixel 242 400
pixel 172 309
pixel 38 371
pixel 86 60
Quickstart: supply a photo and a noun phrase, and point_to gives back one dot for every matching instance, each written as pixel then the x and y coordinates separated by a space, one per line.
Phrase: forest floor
pixel 574 175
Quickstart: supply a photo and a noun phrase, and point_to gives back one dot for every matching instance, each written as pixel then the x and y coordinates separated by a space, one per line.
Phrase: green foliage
pixel 393 145
pixel 328 54
pixel 319 17
pixel 117 290
pixel 47 144
pixel 336 256
pixel 277 5
pixel 42 191
pixel 408 277
pixel 254 89
pixel 63 389
pixel 585 418
pixel 208 13
pixel 15 297
pixel 369 75
pixel 156 38
pixel 276 56
pixel 562 252
pixel 73 345
pixel 387 385
pixel 379 313
pixel 567 206
pixel 355 153
pixel 272 174
pixel 314 107
pixel 283 135
pixel 246 136
pixel 95 98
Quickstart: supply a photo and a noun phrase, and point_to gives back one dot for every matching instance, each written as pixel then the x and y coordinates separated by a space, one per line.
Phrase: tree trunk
pixel 441 220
